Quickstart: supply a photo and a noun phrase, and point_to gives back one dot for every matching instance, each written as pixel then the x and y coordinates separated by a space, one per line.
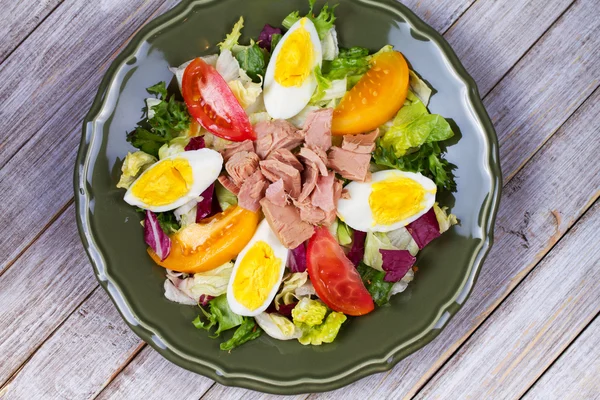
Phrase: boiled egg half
pixel 391 200
pixel 290 77
pixel 257 273
pixel 175 180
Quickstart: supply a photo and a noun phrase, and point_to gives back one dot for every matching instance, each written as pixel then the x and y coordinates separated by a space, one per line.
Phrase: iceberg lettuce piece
pixel 419 88
pixel 175 146
pixel 374 242
pixel 133 165
pixel 291 282
pixel 329 45
pixel 277 326
pixel 445 220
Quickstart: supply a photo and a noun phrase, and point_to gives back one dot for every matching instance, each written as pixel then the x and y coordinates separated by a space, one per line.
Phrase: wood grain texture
pixel 439 14
pixel 36 182
pixel 19 19
pixel 575 374
pixel 150 376
pixel 76 361
pixel 532 327
pixel 544 88
pixel 220 392
pixel 538 206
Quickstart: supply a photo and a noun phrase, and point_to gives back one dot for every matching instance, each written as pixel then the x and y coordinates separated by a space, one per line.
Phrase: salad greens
pixel 323 333
pixel 323 22
pixel 133 165
pixel 374 282
pixel 219 316
pixel 168 222
pixel 247 331
pixel 309 312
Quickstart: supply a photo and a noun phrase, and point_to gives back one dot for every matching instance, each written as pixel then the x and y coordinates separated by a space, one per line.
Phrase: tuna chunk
pixel 276 134
pixel 276 194
pixel 319 160
pixel 241 165
pixel 252 191
pixel 350 165
pixel 309 180
pixel 286 223
pixel 274 170
pixel 323 196
pixel 286 157
pixel 317 129
pixel 360 143
pixel 229 185
pixel 235 147
pixel 309 213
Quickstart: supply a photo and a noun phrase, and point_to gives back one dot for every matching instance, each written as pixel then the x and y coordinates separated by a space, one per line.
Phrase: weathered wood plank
pixel 533 326
pixel 150 376
pixel 539 205
pixel 43 288
pixel 76 361
pixel 220 392
pixel 19 19
pixel 544 88
pixel 36 182
pixel 439 14
pixel 575 374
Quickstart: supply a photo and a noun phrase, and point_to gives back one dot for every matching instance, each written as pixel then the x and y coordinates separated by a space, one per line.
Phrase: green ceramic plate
pixel 112 236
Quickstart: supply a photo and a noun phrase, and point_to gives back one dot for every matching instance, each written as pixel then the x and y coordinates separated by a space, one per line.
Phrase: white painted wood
pixel 538 206
pixel 220 392
pixel 532 327
pixel 575 374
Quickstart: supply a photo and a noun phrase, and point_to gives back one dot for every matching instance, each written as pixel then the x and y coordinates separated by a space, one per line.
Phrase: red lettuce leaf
pixel 155 237
pixel 297 259
pixel 209 205
pixel 284 309
pixel 196 143
pixel 357 252
pixel 204 299
pixel 396 264
pixel 264 38
pixel 424 229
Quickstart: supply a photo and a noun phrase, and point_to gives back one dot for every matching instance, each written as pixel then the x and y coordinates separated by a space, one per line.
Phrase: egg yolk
pixel 164 183
pixel 256 276
pixel 295 59
pixel 395 199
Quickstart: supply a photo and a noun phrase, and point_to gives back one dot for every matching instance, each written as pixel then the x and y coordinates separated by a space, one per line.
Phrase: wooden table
pixel 531 325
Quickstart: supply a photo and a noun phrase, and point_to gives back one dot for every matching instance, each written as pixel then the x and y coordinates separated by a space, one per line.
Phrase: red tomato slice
pixel 212 103
pixel 334 277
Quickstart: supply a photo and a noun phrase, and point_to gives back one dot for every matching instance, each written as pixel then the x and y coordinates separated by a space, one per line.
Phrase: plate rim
pixel 254 381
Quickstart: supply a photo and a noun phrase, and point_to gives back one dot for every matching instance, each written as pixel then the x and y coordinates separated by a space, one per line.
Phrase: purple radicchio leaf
pixel 396 264
pixel 155 237
pixel 357 252
pixel 209 205
pixel 284 309
pixel 265 36
pixel 297 259
pixel 196 143
pixel 204 299
pixel 424 229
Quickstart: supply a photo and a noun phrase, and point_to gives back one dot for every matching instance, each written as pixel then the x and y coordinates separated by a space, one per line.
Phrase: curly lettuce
pixel 309 312
pixel 323 333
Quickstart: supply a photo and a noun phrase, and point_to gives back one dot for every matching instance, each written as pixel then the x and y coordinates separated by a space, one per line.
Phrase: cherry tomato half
pixel 376 98
pixel 334 277
pixel 212 103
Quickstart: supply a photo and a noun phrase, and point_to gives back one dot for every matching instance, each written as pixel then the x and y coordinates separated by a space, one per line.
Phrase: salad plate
pixel 111 233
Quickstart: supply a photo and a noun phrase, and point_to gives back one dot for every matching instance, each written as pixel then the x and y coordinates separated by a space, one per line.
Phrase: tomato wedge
pixel 212 103
pixel 213 242
pixel 376 98
pixel 334 277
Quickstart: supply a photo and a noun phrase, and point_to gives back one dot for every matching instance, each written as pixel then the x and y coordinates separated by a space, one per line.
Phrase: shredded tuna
pixel 309 213
pixel 309 180
pixel 360 143
pixel 252 191
pixel 322 197
pixel 241 165
pixel 228 184
pixel 235 147
pixel 345 195
pixel 274 170
pixel 286 157
pixel 276 193
pixel 318 160
pixel 350 165
pixel 287 224
pixel 276 134
pixel 317 129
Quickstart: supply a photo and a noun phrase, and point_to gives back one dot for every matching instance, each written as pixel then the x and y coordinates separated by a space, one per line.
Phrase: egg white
pixel 357 214
pixel 285 102
pixel 206 165
pixel 264 233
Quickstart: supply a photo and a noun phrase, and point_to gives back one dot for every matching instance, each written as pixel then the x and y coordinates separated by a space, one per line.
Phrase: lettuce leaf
pixel 297 259
pixel 155 236
pixel 265 38
pixel 232 38
pixel 309 312
pixel 278 326
pixel 175 146
pixel 425 228
pixel 374 242
pixel 396 263
pixel 344 234
pixel 225 198
pixel 324 333
pixel 168 222
pixel 419 87
pixel 357 252
pixel 219 315
pixel 352 62
pixel 323 22
pixel 247 331
pixel 445 220
pixel 252 60
pixel 133 165
pixel 375 283
pixel 287 293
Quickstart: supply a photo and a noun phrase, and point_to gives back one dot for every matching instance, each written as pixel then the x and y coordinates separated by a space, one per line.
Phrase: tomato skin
pixel 208 245
pixel 334 277
pixel 212 103
pixel 376 98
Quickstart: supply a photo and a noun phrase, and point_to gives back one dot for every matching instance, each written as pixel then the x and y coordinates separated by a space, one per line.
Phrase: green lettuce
pixel 374 242
pixel 323 333
pixel 351 63
pixel 168 222
pixel 252 60
pixel 445 220
pixel 212 283
pixel 175 146
pixel 290 283
pixel 247 331
pixel 323 22
pixel 232 38
pixel 278 326
pixel 133 165
pixel 225 198
pixel 309 312
pixel 344 234
pixel 374 282
pixel 219 315
pixel 419 87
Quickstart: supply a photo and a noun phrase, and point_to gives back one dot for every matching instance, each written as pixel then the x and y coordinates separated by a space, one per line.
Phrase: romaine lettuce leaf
pixel 247 331
pixel 219 315
pixel 344 234
pixel 252 60
pixel 419 88
pixel 309 312
pixel 324 333
pixel 375 283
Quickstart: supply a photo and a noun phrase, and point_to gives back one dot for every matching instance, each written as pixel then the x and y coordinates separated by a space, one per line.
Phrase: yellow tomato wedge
pixel 376 98
pixel 213 242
